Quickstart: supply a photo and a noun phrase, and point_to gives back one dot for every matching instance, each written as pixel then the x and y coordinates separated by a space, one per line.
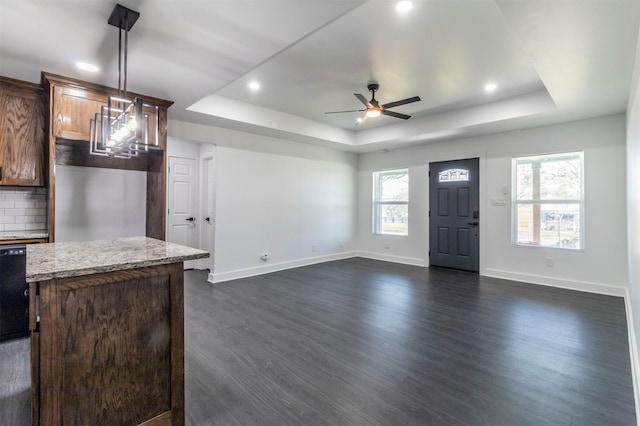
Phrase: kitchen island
pixel 107 331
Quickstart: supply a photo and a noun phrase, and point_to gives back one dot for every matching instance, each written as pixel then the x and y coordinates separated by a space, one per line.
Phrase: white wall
pixel 94 203
pixel 295 201
pixel 633 213
pixel 601 267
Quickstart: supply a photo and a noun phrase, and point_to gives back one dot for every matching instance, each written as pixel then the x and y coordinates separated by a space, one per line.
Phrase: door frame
pixel 482 200
pixel 205 193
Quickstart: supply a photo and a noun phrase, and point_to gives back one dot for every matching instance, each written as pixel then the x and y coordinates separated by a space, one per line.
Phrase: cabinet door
pixel 74 108
pixel 72 111
pixel 21 137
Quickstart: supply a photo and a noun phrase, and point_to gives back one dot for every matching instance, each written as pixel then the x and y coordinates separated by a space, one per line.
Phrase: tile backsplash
pixel 23 208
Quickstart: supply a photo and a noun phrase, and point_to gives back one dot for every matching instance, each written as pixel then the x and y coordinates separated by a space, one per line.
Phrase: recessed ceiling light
pixel 490 87
pixel 404 6
pixel 254 85
pixel 87 67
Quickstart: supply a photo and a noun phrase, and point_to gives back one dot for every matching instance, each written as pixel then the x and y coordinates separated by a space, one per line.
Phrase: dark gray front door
pixel 454 214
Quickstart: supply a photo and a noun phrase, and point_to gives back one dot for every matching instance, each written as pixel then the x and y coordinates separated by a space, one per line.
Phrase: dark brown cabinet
pixel 22 133
pixel 73 103
pixel 109 348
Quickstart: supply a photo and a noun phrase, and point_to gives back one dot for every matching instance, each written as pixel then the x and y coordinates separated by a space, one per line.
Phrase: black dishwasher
pixel 14 293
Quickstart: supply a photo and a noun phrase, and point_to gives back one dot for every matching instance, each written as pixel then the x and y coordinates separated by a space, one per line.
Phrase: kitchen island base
pixel 108 348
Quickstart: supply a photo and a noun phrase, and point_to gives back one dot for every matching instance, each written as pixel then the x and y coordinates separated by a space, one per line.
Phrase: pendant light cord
pixel 126 46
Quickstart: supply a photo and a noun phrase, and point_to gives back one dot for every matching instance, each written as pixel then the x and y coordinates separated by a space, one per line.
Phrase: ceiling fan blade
pixel 340 112
pixel 402 102
pixel 362 99
pixel 396 114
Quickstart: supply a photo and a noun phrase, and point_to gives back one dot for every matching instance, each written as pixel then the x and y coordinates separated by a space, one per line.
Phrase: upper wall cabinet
pixel 75 103
pixel 22 133
pixel 72 109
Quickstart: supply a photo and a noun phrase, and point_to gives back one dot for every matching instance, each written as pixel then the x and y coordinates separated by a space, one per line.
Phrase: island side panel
pixel 112 348
pixel 34 304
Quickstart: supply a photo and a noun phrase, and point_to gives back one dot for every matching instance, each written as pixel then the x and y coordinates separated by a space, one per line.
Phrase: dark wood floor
pixel 362 342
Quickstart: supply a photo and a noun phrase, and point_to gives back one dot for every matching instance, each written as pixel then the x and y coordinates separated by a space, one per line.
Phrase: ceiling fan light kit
pixel 121 128
pixel 374 109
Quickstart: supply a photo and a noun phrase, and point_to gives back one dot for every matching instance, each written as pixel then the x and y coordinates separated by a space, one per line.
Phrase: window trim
pixel 376 203
pixel 515 202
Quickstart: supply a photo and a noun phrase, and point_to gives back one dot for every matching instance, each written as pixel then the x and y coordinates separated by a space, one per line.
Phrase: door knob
pixel 190 219
pixel 207 219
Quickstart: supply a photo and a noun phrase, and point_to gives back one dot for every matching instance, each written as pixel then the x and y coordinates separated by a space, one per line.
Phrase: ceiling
pixel 552 61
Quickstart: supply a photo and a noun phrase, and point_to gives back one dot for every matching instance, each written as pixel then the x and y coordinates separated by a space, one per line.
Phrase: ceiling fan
pixel 374 109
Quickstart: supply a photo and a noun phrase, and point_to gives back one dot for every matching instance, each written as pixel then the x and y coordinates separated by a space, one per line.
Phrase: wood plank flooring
pixel 363 342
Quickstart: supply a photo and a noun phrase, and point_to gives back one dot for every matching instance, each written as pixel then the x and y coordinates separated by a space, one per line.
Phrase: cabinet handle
pixel 0 173
pixel 26 293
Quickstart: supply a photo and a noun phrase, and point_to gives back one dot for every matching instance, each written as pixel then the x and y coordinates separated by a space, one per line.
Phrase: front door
pixel 181 203
pixel 454 214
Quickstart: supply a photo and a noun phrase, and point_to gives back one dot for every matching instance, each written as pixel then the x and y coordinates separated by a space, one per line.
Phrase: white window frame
pixel 516 202
pixel 378 203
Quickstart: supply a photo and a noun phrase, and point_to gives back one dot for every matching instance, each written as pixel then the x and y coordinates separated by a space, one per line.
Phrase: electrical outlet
pixel 550 261
pixel 313 248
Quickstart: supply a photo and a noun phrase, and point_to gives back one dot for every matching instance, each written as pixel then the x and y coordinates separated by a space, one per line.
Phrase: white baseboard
pixel 274 267
pixel 390 258
pixel 633 353
pixel 588 287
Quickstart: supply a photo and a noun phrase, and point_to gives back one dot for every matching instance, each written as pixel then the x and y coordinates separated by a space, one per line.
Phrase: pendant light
pixel 121 128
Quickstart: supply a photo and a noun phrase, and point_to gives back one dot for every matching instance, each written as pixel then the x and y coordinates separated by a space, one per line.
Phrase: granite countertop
pixel 72 259
pixel 24 235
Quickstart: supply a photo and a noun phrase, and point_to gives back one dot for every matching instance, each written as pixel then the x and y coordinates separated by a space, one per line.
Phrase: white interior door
pixel 208 210
pixel 181 203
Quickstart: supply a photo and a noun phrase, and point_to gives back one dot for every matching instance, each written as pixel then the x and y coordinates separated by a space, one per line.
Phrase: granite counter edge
pixel 69 273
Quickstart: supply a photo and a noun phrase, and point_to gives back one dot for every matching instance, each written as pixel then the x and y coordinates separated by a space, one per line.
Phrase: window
pixel 453 175
pixel 548 201
pixel 391 202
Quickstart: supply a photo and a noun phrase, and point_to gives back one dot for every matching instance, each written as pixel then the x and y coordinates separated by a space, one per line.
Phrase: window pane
pixel 394 186
pixel 549 225
pixel 453 175
pixel 524 181
pixel 560 179
pixel 549 178
pixel 394 219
